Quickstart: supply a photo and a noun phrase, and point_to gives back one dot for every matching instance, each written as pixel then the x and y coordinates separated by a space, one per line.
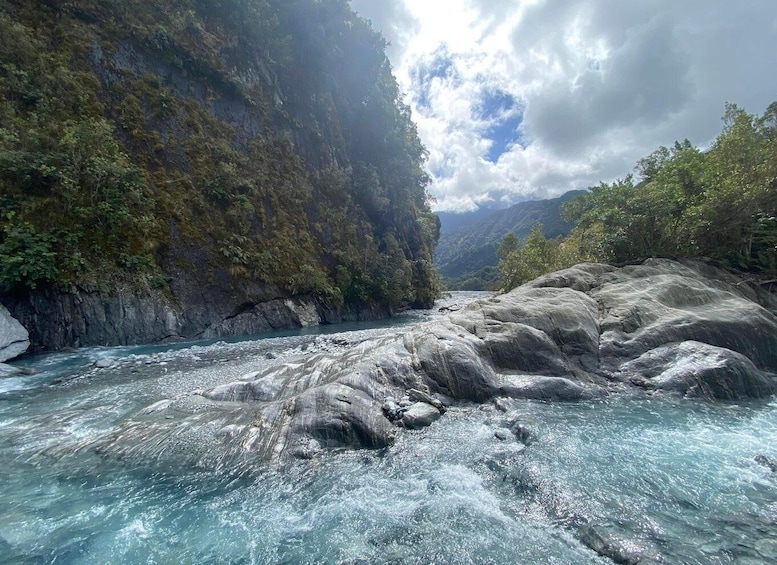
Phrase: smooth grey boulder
pixel 451 361
pixel 292 410
pixel 420 415
pixel 547 331
pixel 660 302
pixel 582 277
pixel 695 369
pixel 14 339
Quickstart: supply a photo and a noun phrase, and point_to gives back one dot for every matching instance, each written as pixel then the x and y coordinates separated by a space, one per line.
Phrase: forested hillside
pixel 467 257
pixel 719 204
pixel 258 148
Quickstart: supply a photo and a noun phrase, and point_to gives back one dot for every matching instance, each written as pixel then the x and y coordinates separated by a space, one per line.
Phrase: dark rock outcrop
pixel 767 461
pixel 14 339
pixel 663 326
pixel 81 318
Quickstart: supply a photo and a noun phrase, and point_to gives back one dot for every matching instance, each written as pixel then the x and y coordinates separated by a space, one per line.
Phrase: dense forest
pixel 719 204
pixel 149 144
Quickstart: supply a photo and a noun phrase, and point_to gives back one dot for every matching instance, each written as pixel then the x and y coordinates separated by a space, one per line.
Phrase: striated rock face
pixel 14 339
pixel 81 318
pixel 587 331
pixel 695 369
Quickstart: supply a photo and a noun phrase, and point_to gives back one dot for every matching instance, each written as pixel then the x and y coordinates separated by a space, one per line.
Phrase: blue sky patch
pixel 504 114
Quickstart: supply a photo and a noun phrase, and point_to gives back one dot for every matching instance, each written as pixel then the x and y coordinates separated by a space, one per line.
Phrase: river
pixel 673 480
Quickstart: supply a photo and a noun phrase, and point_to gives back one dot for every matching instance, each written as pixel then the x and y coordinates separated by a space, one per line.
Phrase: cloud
pixel 393 20
pixel 527 99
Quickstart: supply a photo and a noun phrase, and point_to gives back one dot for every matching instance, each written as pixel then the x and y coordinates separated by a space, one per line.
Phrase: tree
pixel 720 204
pixel 521 263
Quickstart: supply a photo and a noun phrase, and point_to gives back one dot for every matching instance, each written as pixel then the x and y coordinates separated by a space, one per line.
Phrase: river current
pixel 675 481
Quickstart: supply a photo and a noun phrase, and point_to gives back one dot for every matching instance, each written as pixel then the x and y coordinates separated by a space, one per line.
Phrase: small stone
pixel 307 448
pixel 503 434
pixel 524 433
pixel 405 402
pixel 420 415
pixel 104 363
pixel 157 406
pixel 421 396
pixel 767 461
pixel 392 410
pixel 500 404
pixel 270 355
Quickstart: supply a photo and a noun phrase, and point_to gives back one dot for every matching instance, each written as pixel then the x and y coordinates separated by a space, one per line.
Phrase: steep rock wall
pixel 80 318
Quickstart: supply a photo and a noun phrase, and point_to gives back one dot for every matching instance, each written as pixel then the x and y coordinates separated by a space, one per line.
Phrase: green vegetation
pixel 522 262
pixel 240 141
pixel 719 204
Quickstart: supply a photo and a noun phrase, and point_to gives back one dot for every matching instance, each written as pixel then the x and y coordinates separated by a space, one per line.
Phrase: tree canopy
pixel 241 141
pixel 683 202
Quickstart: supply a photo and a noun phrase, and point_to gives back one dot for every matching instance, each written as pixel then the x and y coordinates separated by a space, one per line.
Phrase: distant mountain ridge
pixel 455 221
pixel 467 257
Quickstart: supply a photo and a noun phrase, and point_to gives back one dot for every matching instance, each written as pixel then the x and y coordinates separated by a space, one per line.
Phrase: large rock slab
pixel 451 361
pixel 544 388
pixel 548 331
pixel 685 329
pixel 14 339
pixel 695 369
pixel 647 306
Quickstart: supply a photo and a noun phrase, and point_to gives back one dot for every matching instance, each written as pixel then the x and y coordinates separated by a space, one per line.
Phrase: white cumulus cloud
pixel 519 99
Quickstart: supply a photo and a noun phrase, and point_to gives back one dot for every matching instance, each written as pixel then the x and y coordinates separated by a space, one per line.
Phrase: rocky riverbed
pixel 587 332
pixel 594 414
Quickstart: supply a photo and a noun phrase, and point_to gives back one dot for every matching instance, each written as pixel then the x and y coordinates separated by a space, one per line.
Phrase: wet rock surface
pixel 695 369
pixel 14 339
pixel 579 334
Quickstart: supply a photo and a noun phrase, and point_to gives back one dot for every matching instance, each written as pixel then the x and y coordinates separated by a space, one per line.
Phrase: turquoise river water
pixel 673 480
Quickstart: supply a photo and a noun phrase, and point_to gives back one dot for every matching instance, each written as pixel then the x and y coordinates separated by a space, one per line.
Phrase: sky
pixel 526 99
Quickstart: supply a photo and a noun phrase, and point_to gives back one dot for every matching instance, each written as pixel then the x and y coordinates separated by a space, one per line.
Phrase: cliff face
pixel 203 167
